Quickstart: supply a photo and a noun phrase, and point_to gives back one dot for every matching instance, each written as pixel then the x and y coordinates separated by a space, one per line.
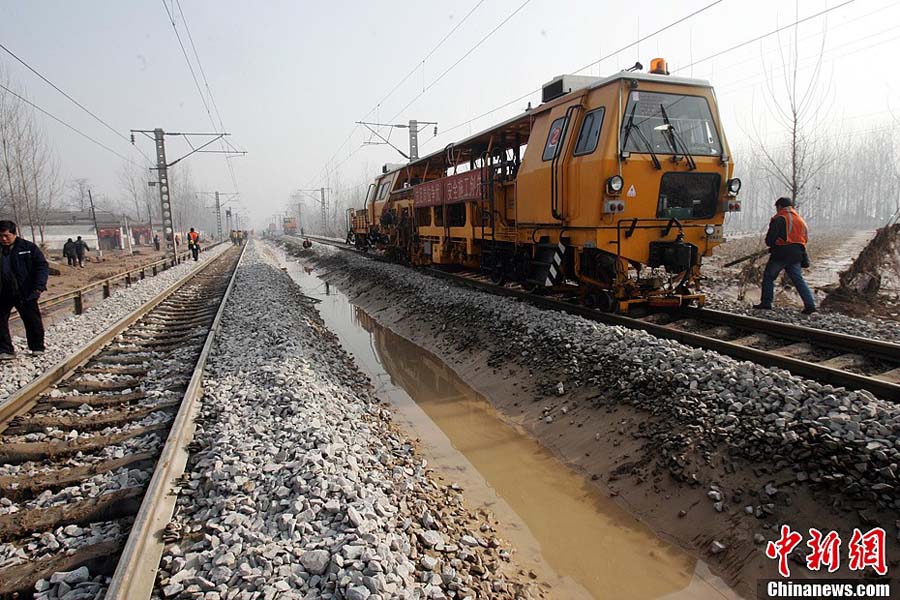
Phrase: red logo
pixel 781 548
pixel 824 551
pixel 867 550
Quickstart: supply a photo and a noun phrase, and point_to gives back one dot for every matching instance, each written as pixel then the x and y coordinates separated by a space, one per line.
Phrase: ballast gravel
pixel 302 487
pixel 64 338
pixel 696 401
pixel 876 329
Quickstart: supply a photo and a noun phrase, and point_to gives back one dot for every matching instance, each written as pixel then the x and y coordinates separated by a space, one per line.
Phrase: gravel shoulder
pixel 64 338
pixel 703 448
pixel 300 485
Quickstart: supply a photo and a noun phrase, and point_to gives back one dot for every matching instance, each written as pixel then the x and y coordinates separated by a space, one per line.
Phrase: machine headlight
pixel 615 184
pixel 710 230
pixel 734 186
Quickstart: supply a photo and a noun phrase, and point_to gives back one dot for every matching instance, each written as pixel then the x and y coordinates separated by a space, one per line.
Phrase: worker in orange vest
pixel 786 240
pixel 194 243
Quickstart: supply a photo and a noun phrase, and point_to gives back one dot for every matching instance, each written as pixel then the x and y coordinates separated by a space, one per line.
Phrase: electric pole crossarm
pixel 384 139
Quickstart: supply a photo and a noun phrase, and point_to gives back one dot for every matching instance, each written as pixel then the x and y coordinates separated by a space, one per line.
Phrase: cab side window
pixel 554 139
pixel 590 132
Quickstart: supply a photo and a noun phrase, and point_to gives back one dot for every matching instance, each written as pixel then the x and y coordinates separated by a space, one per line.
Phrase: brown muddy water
pixel 562 526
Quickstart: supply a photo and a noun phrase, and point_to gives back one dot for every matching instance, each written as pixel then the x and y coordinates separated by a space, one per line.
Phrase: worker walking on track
pixel 786 240
pixel 23 277
pixel 194 243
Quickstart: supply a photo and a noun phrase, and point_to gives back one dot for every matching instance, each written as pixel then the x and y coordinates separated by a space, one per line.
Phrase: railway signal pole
pixel 158 136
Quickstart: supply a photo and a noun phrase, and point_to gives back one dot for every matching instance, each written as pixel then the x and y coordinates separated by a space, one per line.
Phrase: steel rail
pixel 811 370
pixel 135 573
pixel 72 294
pixel 24 399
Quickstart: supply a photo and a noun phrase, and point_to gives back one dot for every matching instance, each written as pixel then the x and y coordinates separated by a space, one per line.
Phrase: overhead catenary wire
pixel 395 88
pixel 765 35
pixel 70 98
pixel 455 64
pixel 464 56
pixel 65 124
pixel 696 62
pixel 221 126
pixel 588 66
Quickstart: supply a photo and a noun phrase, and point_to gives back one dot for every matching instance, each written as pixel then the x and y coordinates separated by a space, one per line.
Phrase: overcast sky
pixel 291 78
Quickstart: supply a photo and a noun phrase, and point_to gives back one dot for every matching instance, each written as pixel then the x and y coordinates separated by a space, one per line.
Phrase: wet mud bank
pixel 565 531
pixel 649 429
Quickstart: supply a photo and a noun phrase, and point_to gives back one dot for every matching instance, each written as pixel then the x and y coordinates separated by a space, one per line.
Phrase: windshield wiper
pixel 676 139
pixel 629 126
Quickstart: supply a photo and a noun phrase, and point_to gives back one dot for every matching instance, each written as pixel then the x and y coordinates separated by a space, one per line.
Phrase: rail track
pixel 90 450
pixel 831 358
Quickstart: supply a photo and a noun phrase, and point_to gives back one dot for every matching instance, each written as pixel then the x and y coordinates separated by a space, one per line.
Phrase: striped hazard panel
pixel 554 274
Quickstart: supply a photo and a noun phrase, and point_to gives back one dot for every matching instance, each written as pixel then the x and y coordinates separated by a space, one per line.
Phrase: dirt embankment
pixel 660 468
pixel 95 268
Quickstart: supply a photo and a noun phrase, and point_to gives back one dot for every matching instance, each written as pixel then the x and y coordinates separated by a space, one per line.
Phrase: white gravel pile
pixel 69 538
pixel 68 336
pixel 699 401
pixel 878 329
pixel 303 488
pixel 93 487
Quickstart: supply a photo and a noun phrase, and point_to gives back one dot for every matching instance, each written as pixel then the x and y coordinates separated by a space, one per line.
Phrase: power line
pixel 70 98
pixel 451 67
pixel 200 65
pixel 211 97
pixel 60 121
pixel 463 57
pixel 765 35
pixel 427 56
pixel 650 35
pixel 188 61
pixel 197 82
pixel 588 66
pixel 397 86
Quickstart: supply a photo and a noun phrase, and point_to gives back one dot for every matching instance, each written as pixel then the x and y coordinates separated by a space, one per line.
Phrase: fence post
pixel 106 290
pixel 79 303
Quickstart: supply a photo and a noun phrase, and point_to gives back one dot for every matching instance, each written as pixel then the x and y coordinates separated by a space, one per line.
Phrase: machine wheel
pixel 602 301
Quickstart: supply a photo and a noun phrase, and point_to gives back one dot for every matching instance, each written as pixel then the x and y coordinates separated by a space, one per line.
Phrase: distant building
pixel 60 225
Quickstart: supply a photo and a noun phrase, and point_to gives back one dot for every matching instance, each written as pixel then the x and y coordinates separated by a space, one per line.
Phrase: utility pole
pixel 322 200
pixel 162 172
pixel 414 128
pixel 218 218
pixel 96 228
pixel 128 247
pixel 162 169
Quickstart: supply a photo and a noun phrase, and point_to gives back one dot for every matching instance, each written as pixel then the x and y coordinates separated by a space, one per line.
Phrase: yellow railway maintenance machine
pixel 613 188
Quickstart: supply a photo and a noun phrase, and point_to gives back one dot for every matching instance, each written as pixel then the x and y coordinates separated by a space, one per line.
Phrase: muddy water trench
pixel 563 527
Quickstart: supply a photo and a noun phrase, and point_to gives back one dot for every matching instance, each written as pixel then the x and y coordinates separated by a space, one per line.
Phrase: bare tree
pixel 798 107
pixel 78 193
pixel 27 166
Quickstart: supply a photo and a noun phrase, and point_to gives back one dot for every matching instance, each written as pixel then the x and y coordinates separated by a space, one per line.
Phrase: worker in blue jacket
pixel 23 277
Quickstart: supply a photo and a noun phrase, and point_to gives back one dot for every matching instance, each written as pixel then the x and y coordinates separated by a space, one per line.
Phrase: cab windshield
pixel 669 123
